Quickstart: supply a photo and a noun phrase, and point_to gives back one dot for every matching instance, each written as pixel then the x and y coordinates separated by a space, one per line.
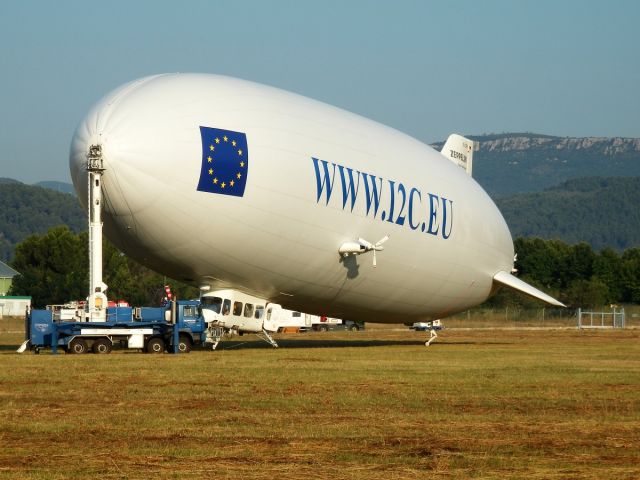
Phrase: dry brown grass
pixel 375 405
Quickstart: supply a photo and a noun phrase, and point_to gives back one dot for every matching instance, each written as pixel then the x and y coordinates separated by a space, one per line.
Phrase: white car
pixel 424 326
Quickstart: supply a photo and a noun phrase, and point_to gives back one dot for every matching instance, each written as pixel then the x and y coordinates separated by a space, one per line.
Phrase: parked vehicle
pixel 280 319
pixel 425 326
pixel 326 324
pixel 175 327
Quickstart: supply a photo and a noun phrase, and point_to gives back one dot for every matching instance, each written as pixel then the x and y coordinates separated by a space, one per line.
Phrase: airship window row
pixel 218 304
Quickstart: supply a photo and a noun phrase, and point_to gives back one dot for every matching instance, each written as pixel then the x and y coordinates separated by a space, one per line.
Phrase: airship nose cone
pixel 122 130
pixel 80 143
pixel 112 124
pixel 144 141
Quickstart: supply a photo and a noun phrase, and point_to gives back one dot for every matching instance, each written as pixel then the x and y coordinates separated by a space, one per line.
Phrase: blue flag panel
pixel 225 162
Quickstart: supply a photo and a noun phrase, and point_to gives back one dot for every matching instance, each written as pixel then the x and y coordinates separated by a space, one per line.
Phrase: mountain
pixel 27 209
pixel 63 187
pixel 510 163
pixel 604 212
pixel 5 180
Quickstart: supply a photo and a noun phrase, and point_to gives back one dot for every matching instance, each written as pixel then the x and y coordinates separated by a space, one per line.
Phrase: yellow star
pixel 217 140
pixel 215 180
pixel 240 152
pixel 242 164
pixel 223 184
pixel 239 175
pixel 211 171
pixel 233 143
pixel 225 138
pixel 209 159
pixel 231 183
pixel 212 148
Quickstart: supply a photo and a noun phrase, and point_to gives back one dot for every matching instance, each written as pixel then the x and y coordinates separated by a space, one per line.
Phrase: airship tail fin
pixel 460 151
pixel 508 280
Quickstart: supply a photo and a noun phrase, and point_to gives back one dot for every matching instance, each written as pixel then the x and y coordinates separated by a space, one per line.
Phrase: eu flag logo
pixel 225 162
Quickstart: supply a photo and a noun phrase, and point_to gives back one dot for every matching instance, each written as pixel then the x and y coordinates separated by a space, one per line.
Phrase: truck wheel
pixel 184 344
pixel 155 345
pixel 101 345
pixel 323 328
pixel 77 345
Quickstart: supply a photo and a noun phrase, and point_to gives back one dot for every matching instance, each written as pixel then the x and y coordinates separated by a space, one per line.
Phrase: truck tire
pixel 77 346
pixel 323 328
pixel 155 345
pixel 101 346
pixel 184 344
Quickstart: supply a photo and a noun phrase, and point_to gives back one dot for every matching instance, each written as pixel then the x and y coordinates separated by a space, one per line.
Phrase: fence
pixel 546 317
pixel 613 319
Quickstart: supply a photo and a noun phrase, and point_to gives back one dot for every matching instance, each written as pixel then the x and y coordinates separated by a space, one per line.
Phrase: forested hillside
pixel 603 212
pixel 63 187
pixel 26 209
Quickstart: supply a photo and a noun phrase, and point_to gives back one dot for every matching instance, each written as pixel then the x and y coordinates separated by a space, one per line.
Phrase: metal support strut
pixel 266 336
pixel 433 336
pixel 215 334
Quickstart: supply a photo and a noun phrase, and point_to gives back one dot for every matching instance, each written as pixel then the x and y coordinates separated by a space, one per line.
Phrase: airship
pixel 225 183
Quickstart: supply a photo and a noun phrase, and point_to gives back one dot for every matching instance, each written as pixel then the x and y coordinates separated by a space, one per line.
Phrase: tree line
pixel 575 274
pixel 54 268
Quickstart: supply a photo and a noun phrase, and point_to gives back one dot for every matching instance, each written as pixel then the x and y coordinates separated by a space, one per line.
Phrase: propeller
pixel 377 247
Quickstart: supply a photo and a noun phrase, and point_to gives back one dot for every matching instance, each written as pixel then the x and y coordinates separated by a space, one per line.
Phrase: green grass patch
pixel 370 405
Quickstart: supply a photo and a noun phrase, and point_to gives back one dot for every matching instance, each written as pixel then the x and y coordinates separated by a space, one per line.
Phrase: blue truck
pixel 176 327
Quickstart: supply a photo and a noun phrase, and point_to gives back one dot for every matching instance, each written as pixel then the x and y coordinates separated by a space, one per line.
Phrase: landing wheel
pixel 102 346
pixel 155 345
pixel 184 344
pixel 433 336
pixel 77 345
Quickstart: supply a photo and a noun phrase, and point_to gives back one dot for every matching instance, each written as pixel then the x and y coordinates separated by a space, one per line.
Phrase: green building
pixel 6 277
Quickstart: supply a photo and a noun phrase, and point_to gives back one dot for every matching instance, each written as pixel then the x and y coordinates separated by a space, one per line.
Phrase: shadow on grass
pixel 335 343
pixel 9 348
pixel 301 343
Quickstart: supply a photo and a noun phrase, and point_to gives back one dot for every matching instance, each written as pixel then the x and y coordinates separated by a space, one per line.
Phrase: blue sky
pixel 567 68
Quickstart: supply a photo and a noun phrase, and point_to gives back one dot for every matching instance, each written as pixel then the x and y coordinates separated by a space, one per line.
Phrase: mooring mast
pixel 97 299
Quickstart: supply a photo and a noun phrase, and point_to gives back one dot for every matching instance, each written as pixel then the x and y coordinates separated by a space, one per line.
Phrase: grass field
pixel 535 404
